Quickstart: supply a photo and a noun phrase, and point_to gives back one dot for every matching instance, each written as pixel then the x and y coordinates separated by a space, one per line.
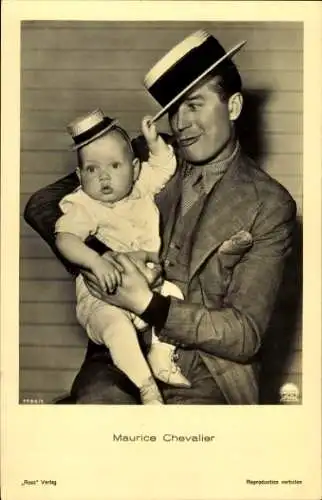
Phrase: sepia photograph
pixel 180 145
pixel 157 163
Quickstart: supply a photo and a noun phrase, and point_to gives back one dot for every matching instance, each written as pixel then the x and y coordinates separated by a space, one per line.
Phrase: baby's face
pixel 107 172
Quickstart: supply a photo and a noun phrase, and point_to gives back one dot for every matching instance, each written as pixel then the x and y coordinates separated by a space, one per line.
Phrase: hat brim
pixel 75 147
pixel 181 94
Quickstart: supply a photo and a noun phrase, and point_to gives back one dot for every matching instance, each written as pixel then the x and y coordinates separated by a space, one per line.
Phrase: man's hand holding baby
pixel 105 274
pixel 149 265
pixel 123 296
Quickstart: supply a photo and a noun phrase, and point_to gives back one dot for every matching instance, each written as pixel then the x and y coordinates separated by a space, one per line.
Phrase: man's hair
pixel 121 132
pixel 226 80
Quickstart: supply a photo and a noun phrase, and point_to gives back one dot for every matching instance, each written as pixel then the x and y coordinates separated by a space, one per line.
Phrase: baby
pixel 115 202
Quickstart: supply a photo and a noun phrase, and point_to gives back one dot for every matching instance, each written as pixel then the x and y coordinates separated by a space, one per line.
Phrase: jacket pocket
pixel 216 274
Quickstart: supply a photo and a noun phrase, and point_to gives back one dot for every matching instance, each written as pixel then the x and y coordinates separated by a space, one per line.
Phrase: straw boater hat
pixel 89 127
pixel 184 66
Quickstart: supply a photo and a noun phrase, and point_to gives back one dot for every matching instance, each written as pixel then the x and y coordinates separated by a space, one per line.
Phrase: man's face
pixel 201 124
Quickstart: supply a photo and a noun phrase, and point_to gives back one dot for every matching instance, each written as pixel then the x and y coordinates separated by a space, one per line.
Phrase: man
pixel 217 195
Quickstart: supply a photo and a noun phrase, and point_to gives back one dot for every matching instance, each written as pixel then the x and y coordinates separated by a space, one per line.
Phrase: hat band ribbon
pixel 186 70
pixel 88 134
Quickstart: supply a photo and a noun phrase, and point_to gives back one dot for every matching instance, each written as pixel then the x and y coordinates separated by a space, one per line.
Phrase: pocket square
pixel 237 244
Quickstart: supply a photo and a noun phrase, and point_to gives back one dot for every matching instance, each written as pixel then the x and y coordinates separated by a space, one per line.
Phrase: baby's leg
pixel 161 355
pixel 113 327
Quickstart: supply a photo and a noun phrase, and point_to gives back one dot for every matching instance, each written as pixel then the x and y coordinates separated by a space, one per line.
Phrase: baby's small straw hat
pixel 89 127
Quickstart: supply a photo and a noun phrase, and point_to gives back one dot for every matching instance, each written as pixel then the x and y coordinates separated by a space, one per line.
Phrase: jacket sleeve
pixel 235 330
pixel 42 211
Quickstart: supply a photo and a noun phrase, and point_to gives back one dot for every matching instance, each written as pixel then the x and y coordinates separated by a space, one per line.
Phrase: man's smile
pixel 188 141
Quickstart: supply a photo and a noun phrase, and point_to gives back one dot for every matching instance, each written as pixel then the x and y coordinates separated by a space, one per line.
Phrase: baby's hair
pixel 125 136
pixel 127 139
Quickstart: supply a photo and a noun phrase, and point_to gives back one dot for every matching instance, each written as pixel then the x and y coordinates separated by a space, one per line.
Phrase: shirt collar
pixel 214 170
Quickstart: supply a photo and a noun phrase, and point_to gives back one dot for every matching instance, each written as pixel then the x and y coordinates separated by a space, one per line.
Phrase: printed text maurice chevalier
pixel 167 438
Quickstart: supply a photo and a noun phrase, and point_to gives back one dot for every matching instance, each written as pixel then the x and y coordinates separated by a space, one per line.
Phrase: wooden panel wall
pixel 72 67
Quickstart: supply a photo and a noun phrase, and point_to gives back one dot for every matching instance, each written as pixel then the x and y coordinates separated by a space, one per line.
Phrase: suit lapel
pixel 231 205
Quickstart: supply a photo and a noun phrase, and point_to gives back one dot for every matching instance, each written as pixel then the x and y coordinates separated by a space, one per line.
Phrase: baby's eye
pixel 90 168
pixel 116 164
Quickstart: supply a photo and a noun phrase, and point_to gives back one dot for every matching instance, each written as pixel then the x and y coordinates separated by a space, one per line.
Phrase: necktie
pixel 191 188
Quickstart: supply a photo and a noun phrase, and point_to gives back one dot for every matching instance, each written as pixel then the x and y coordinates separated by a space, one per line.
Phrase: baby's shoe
pixel 163 366
pixel 149 393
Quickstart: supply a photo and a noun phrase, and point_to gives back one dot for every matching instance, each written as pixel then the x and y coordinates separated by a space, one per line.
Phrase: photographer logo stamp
pixel 289 393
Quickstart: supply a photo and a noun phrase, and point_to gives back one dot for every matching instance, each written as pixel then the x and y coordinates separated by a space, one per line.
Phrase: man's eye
pixel 193 106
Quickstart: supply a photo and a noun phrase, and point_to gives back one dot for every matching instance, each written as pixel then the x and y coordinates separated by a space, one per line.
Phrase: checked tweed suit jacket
pixel 225 319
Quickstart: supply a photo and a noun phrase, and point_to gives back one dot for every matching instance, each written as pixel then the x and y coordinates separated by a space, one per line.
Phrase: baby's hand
pixel 150 133
pixel 107 272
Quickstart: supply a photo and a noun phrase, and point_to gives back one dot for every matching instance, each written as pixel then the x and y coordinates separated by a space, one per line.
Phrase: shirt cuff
pixel 157 311
pixel 96 245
